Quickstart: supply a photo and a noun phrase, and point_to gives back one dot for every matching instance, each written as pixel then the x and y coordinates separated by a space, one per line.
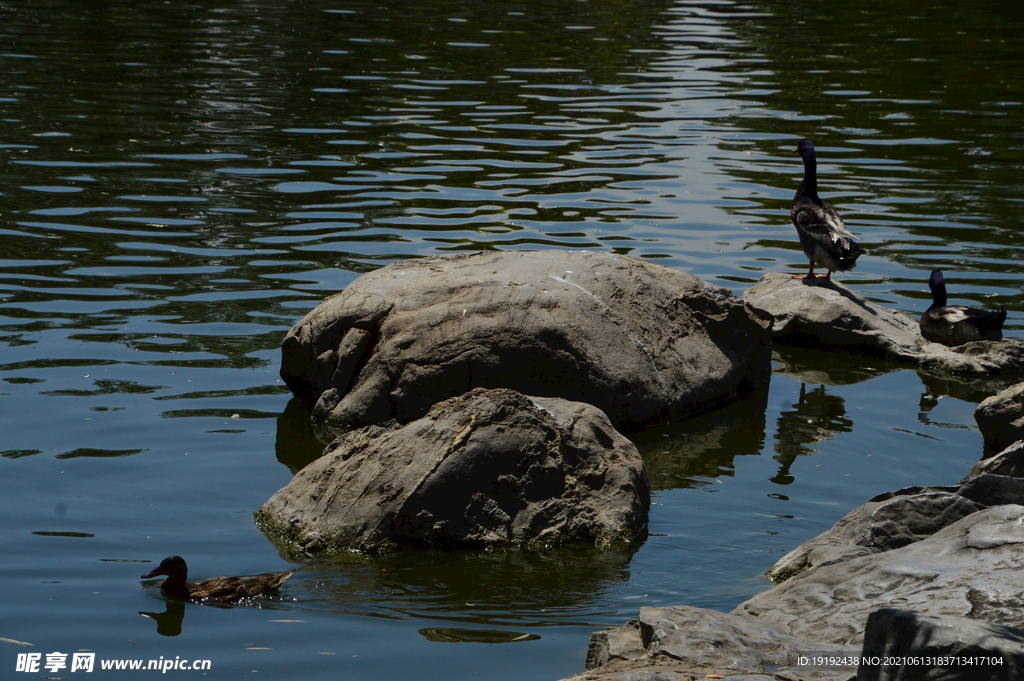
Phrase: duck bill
pixel 152 573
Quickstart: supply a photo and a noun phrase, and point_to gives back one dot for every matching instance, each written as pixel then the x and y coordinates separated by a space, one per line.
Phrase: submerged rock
pixel 825 314
pixel 490 468
pixel 643 343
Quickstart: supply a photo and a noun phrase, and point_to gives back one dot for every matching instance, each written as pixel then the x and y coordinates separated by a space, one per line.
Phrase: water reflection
pixel 171 621
pixel 816 417
pixel 297 444
pixel 821 367
pixel 457 635
pixel 568 586
pixel 703 447
pixel 963 388
pixel 168 622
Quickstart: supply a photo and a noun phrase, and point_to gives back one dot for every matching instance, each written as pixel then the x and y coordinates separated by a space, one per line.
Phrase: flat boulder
pixel 945 553
pixel 895 519
pixel 643 343
pixel 885 522
pixel 825 314
pixel 969 568
pixel 489 468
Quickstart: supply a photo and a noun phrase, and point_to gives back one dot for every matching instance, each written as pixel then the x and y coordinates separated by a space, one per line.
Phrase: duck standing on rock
pixel 223 589
pixel 824 237
pixel 958 324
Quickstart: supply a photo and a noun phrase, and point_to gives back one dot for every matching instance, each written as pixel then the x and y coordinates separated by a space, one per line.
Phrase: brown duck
pixel 223 589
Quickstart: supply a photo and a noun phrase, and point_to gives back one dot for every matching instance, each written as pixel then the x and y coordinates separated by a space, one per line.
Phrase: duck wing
pixel 227 589
pixel 823 224
pixel 957 324
pixel 986 323
pixel 218 589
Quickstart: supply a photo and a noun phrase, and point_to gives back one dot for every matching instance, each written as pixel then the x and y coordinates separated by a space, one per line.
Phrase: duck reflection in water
pixel 168 622
pixel 816 417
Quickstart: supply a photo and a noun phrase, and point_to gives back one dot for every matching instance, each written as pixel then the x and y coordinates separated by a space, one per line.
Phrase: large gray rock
pixel 900 645
pixel 1001 417
pixel 825 314
pixel 970 568
pixel 643 343
pixel 490 468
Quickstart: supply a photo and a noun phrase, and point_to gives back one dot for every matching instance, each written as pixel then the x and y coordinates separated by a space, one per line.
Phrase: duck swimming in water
pixel 824 237
pixel 223 589
pixel 958 324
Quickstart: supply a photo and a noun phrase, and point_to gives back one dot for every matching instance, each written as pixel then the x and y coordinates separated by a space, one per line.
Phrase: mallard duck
pixel 958 324
pixel 824 237
pixel 224 589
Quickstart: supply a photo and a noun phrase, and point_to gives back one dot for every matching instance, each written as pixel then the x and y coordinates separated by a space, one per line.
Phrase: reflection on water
pixel 816 417
pixel 297 445
pixel 517 588
pixel 704 447
pixel 828 368
pixel 455 635
pixel 168 622
pixel 184 181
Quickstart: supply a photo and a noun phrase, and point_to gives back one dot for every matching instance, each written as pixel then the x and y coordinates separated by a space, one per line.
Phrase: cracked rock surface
pixel 490 468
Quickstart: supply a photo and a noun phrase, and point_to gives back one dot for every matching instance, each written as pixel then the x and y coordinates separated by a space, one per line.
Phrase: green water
pixel 181 182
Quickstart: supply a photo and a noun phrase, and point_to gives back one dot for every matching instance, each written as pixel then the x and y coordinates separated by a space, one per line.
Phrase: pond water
pixel 183 181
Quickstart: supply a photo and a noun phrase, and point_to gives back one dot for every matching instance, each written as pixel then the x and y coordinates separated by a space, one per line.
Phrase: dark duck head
pixel 958 324
pixel 224 589
pixel 825 239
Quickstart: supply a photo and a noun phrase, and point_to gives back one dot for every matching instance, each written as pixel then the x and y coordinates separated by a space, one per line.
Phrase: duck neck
pixel 810 175
pixel 175 585
pixel 938 296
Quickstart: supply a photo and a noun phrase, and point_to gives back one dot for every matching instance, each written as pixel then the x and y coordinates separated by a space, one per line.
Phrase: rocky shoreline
pixel 476 400
pixel 942 562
